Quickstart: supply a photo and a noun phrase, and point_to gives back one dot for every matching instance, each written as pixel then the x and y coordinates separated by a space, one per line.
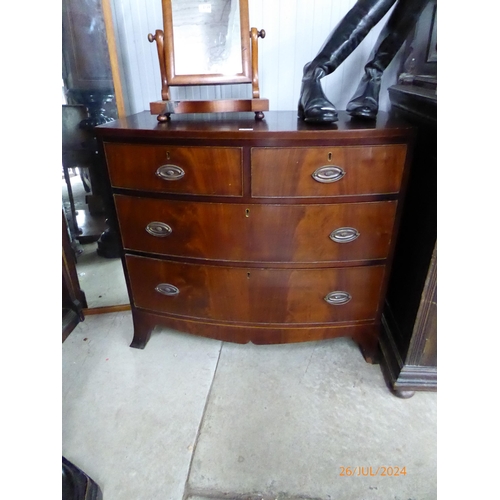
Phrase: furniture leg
pixel 143 326
pixel 403 394
pixel 369 347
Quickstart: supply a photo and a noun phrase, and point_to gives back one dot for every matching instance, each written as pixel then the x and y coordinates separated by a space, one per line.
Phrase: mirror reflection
pixel 88 100
pixel 207 37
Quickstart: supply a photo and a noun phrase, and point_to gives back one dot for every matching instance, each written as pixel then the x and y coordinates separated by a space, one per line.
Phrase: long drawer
pixel 252 232
pixel 267 296
pixel 327 172
pixel 172 169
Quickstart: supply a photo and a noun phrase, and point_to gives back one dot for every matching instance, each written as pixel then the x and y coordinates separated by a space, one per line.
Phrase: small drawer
pixel 171 169
pixel 257 232
pixel 247 295
pixel 327 172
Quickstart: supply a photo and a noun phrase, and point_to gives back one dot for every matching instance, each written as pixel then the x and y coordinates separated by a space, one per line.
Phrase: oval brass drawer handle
pixel 159 229
pixel 328 173
pixel 344 234
pixel 170 172
pixel 338 298
pixel 167 289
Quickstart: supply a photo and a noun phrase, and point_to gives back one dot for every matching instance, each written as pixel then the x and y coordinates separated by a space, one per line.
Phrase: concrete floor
pixel 189 418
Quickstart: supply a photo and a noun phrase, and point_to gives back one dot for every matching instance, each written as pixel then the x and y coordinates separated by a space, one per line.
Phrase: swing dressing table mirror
pixel 207 42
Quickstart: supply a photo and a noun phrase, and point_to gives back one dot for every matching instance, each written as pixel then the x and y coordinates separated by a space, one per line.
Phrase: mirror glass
pixel 89 98
pixel 207 37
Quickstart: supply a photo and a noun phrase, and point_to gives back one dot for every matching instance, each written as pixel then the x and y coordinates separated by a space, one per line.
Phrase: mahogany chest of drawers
pixel 270 232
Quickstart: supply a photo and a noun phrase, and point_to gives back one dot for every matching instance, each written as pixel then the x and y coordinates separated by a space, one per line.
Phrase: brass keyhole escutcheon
pixel 168 155
pixel 329 156
pixel 247 212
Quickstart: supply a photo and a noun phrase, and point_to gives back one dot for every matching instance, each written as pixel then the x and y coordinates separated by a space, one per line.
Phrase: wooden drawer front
pixel 198 170
pixel 360 171
pixel 255 295
pixel 264 233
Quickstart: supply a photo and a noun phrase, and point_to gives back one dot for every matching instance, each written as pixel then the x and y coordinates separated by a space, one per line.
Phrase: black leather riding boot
pixel 313 104
pixel 404 16
pixel 349 33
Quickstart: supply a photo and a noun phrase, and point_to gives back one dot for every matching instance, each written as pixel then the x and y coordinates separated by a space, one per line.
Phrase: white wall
pixel 295 31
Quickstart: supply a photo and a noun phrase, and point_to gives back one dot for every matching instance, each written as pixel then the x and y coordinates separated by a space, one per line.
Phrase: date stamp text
pixel 372 471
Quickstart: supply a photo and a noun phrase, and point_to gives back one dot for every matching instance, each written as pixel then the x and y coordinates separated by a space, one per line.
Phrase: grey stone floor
pixel 189 418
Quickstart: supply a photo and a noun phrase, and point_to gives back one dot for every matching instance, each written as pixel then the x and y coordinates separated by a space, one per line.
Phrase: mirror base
pixel 163 109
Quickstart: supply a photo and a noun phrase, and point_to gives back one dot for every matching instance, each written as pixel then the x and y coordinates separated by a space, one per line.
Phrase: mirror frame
pixel 205 79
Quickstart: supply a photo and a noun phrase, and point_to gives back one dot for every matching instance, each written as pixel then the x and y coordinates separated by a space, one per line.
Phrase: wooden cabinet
pixel 409 335
pixel 270 232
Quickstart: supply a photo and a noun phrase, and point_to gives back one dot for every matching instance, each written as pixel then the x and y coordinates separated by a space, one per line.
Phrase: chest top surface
pixel 277 125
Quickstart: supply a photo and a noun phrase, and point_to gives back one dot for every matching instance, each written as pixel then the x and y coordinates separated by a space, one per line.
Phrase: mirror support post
pixel 254 35
pixel 159 38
